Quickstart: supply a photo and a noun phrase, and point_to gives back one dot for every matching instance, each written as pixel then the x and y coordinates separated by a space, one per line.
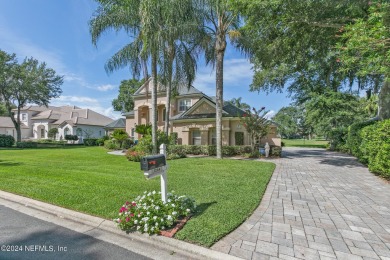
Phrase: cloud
pixel 105 87
pixel 236 71
pixel 86 102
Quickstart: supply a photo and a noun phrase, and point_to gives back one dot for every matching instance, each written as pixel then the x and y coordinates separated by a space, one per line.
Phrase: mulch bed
pixel 179 225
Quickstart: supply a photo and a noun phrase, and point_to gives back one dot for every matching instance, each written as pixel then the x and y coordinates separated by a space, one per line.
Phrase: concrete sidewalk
pixel 155 247
pixel 318 205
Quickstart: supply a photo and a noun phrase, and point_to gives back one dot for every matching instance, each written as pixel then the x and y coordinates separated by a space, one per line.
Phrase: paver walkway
pixel 318 205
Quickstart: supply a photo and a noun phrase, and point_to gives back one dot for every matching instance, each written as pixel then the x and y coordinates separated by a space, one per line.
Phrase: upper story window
pixel 184 104
pixel 24 117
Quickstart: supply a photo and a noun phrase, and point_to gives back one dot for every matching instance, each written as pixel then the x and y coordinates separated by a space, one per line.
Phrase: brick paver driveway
pixel 318 205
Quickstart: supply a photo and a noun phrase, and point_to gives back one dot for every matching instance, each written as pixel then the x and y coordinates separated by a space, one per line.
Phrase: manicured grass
pixel 91 181
pixel 305 143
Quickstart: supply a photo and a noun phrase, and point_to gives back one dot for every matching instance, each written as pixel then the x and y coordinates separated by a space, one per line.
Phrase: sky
pixel 57 32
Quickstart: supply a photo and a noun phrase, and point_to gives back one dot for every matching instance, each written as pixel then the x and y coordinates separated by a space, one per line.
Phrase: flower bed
pixel 149 214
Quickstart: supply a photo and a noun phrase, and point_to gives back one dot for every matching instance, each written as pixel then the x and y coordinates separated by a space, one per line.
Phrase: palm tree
pixel 141 20
pixel 238 103
pixel 180 50
pixel 218 23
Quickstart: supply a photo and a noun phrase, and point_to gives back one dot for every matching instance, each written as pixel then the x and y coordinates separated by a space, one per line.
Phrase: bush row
pixel 27 144
pixel 211 150
pixel 374 149
pixel 6 141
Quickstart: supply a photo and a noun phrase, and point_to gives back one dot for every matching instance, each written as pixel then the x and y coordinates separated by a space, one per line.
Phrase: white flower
pixel 144 192
pixel 156 224
pixel 174 213
pixel 173 205
pixel 136 222
pixel 148 213
pixel 155 217
pixel 139 215
pixel 169 217
pixel 138 227
pixel 152 228
pixel 154 192
pixel 162 227
pixel 188 210
pixel 162 220
pixel 169 200
pixel 157 208
pixel 146 229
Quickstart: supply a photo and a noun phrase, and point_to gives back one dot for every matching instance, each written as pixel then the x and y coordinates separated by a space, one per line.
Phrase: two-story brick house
pixel 192 117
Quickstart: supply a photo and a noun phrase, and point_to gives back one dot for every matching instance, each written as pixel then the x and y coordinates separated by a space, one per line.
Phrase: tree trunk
pixel 384 101
pixel 15 121
pixel 219 101
pixel 154 104
pixel 220 49
pixel 171 54
pixel 168 107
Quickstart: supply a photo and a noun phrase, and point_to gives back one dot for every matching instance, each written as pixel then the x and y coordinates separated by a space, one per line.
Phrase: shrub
pixel 375 147
pixel 71 138
pixel 354 138
pixel 100 141
pixel 26 144
pixel 6 140
pixel 275 151
pixel 127 143
pixel 173 138
pixel 178 150
pixel 338 137
pixel 230 150
pixel 283 144
pixel 90 141
pixel 52 133
pixel 148 214
pixel 174 156
pixel 111 145
pixel 135 156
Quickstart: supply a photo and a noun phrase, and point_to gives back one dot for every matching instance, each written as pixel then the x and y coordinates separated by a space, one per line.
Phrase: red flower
pixel 338 60
pixel 122 209
pixel 134 204
pixel 132 215
pixel 244 115
pixel 127 219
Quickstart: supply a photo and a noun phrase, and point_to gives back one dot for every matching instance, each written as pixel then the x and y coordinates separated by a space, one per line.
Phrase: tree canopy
pixel 124 102
pixel 29 82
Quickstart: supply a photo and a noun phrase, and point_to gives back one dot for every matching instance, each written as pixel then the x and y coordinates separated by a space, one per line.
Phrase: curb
pixel 155 247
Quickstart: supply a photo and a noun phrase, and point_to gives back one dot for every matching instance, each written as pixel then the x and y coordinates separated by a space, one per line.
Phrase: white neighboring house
pixel 70 120
pixel 7 127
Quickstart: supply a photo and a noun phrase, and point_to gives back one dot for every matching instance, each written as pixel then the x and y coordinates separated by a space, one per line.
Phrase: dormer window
pixel 184 104
pixel 24 117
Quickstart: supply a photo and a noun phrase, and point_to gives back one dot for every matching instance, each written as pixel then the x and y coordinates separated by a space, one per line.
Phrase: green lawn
pixel 305 143
pixel 90 180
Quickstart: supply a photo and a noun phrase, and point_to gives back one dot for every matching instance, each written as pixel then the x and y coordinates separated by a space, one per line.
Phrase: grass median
pixel 91 181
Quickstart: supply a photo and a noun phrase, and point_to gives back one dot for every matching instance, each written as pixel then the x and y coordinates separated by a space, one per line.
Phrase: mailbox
pixel 153 161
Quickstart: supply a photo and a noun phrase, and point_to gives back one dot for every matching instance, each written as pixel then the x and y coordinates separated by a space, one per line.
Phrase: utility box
pixel 153 161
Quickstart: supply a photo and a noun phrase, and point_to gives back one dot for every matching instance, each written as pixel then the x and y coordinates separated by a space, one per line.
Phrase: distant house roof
pixel 68 114
pixel 6 122
pixel 119 123
pixel 130 113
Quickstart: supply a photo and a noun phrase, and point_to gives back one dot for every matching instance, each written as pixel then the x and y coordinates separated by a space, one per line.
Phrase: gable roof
pixel 69 114
pixel 195 111
pixel 119 123
pixel 6 122
pixel 181 90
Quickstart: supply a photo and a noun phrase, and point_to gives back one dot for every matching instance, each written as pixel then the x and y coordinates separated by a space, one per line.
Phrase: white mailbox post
pixel 154 166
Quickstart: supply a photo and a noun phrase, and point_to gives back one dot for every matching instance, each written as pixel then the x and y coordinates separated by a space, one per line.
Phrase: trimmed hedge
pixel 354 138
pixel 375 147
pixel 90 141
pixel 211 150
pixel 27 144
pixel 6 140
